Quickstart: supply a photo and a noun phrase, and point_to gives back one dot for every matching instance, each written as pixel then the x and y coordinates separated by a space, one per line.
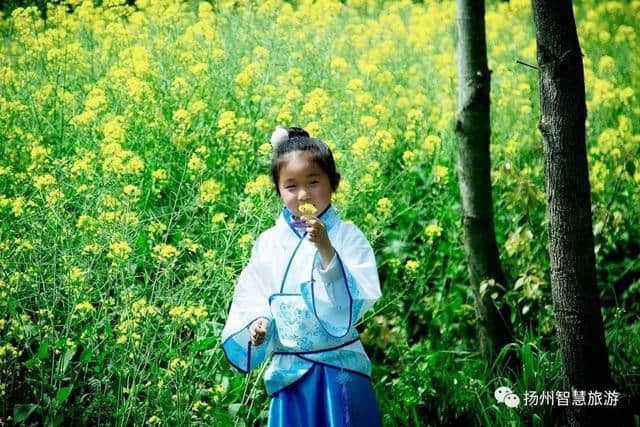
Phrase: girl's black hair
pixel 319 152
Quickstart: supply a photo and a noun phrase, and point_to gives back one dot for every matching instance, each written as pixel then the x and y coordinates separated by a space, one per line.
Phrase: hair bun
pixel 293 132
pixel 279 136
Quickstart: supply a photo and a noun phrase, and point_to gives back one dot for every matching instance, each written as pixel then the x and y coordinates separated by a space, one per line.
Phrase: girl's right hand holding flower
pixel 258 330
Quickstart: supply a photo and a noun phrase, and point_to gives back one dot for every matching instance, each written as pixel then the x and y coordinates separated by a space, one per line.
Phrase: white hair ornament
pixel 279 135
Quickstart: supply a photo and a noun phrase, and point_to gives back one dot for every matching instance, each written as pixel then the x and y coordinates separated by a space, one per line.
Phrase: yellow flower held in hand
pixel 307 208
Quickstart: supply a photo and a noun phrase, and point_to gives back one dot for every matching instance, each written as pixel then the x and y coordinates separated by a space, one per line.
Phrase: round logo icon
pixel 501 393
pixel 511 400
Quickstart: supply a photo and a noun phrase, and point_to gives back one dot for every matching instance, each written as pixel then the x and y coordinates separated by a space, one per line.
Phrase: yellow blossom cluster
pixel 432 230
pixel 131 320
pixel 245 240
pixel 85 308
pixel 189 315
pixel 160 179
pixel 84 165
pixel 209 191
pixel 190 245
pixel 119 250
pixel 176 365
pixel 411 265
pixel 218 217
pixel 259 186
pixel 141 308
pixel 115 158
pixel 76 274
pixel 164 252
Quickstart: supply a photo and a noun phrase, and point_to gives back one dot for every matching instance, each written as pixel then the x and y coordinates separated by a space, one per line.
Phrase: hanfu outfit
pixel 320 374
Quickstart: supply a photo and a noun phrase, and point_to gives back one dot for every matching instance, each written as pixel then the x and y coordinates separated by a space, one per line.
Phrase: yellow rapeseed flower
pixel 42 181
pixel 92 248
pixel 441 173
pixel 132 191
pixel 411 265
pixel 76 274
pixel 265 149
pixel 165 252
pixel 197 106
pixel 433 230
pixel 196 164
pixel 260 185
pixel 366 180
pixel 119 250
pixel 431 143
pixel 181 116
pixel 245 240
pixel 85 307
pixel 409 156
pixel 307 208
pixel 159 174
pixel 54 196
pixel 209 191
pixel 361 147
pixel 190 245
pixel 219 217
pixel 383 206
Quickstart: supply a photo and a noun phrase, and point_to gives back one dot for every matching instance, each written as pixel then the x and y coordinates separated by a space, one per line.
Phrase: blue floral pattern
pixel 297 327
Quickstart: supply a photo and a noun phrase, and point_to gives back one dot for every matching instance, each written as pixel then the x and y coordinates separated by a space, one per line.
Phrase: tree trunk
pixel 573 276
pixel 474 179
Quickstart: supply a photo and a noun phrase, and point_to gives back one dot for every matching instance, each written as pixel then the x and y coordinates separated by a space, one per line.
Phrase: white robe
pixel 309 321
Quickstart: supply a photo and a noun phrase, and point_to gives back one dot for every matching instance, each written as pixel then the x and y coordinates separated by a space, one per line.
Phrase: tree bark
pixel 473 133
pixel 574 290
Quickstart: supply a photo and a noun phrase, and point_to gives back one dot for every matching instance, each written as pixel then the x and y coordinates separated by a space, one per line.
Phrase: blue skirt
pixel 326 396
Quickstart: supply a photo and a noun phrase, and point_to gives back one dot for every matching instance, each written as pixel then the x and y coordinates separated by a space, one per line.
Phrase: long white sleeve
pixel 250 302
pixel 350 281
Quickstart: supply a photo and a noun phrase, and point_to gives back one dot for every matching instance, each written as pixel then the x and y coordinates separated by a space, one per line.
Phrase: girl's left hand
pixel 317 232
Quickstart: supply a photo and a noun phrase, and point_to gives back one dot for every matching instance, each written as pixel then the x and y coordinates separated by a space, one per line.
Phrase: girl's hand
pixel 258 330
pixel 317 231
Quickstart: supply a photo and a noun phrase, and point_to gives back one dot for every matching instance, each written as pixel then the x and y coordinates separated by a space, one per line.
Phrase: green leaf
pixel 43 351
pixel 86 355
pixel 142 244
pixel 204 344
pixel 529 369
pixel 63 394
pixel 21 412
pixel 11 305
pixel 631 168
pixel 64 363
pixel 59 420
pixel 101 358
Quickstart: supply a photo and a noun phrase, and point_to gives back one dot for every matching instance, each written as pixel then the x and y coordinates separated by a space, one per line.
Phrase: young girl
pixel 310 278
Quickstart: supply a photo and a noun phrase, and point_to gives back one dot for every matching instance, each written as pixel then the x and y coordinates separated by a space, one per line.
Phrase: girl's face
pixel 303 181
